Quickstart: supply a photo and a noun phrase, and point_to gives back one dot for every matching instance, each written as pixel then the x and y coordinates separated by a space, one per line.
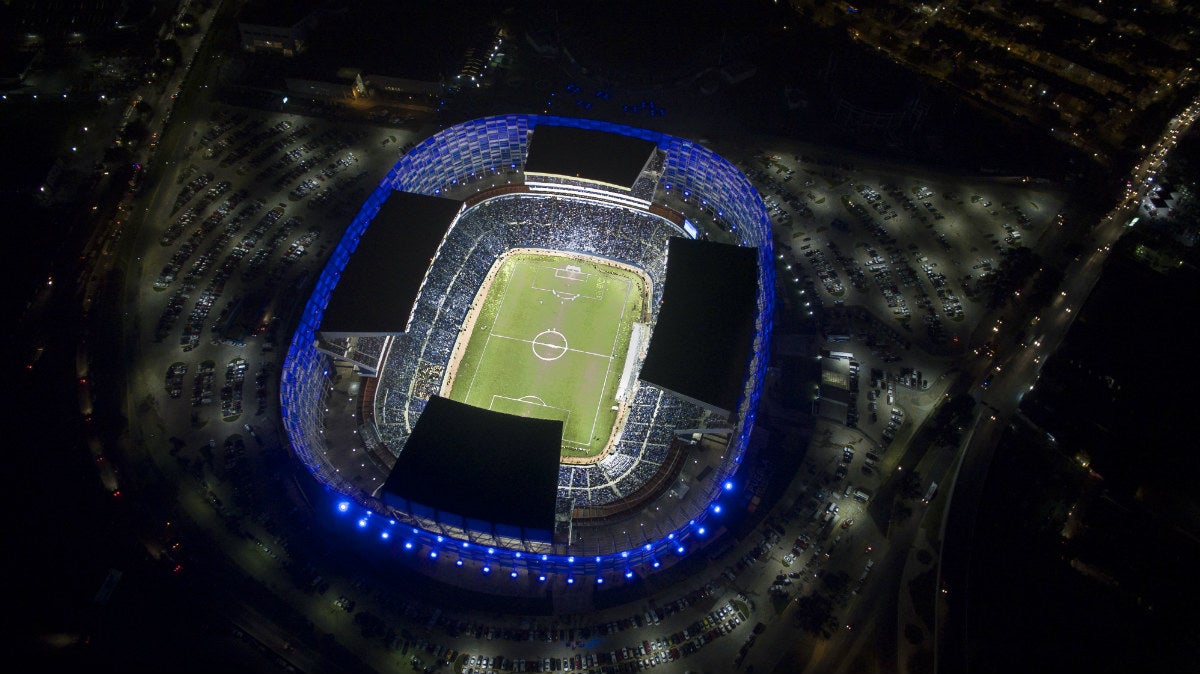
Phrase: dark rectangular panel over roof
pixel 702 342
pixel 379 285
pixel 598 156
pixel 480 464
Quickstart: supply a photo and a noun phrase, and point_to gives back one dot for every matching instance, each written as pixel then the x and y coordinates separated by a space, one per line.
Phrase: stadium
pixel 551 335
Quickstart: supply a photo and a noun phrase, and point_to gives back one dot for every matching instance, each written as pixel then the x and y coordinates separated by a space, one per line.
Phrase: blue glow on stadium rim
pixel 435 163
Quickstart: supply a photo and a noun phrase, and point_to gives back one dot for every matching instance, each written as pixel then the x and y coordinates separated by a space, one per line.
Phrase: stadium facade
pixel 682 191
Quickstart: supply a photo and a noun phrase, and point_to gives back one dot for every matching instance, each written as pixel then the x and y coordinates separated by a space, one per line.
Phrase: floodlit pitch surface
pixel 550 342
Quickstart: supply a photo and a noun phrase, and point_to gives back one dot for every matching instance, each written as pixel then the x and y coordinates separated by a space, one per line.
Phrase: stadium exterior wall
pixel 450 160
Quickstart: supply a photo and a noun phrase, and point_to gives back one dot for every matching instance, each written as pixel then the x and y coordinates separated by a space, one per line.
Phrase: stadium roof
pixel 472 462
pixel 283 13
pixel 397 39
pixel 705 332
pixel 379 285
pixel 596 156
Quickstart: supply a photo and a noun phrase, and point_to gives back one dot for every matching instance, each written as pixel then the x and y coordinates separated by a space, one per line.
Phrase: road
pixel 1015 377
pixel 839 654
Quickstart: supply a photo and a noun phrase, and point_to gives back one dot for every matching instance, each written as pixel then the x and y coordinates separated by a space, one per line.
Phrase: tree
pixel 814 612
pixel 1045 285
pixel 835 582
pixel 135 131
pixel 911 487
pixel 187 25
pixel 1016 265
pixel 370 624
pixel 950 417
pixel 169 52
pixel 117 155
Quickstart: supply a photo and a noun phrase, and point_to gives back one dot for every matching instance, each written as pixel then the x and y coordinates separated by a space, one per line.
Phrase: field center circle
pixel 549 345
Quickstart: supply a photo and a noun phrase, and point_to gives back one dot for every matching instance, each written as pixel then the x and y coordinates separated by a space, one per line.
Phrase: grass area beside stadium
pixel 549 341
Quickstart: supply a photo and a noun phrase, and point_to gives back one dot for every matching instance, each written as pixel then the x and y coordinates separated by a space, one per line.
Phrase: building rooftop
pixel 470 462
pixel 379 285
pixel 704 337
pixel 282 13
pixel 419 41
pixel 596 156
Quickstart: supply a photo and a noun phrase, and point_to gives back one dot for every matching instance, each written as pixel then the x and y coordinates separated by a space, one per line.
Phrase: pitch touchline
pixel 612 359
pixel 553 346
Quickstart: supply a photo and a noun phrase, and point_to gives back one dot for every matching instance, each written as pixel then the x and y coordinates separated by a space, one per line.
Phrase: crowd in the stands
pixel 416 363
pixel 638 454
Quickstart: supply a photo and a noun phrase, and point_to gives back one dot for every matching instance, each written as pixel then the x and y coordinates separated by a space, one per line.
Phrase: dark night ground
pixel 1029 609
pixel 74 538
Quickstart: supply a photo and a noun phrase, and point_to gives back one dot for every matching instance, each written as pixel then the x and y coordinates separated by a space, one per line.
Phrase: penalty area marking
pixel 522 407
pixel 572 275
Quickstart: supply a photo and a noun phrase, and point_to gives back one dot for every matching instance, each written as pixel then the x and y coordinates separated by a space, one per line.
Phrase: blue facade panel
pixel 499 145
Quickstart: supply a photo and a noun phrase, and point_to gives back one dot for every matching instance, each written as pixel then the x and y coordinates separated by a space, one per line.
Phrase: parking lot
pixel 912 250
pixel 894 268
pixel 249 215
pixel 236 231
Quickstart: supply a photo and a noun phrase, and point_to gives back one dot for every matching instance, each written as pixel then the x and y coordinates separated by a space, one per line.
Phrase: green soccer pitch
pixel 550 341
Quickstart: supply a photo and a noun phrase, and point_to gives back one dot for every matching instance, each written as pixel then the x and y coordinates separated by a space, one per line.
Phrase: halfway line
pixel 530 341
